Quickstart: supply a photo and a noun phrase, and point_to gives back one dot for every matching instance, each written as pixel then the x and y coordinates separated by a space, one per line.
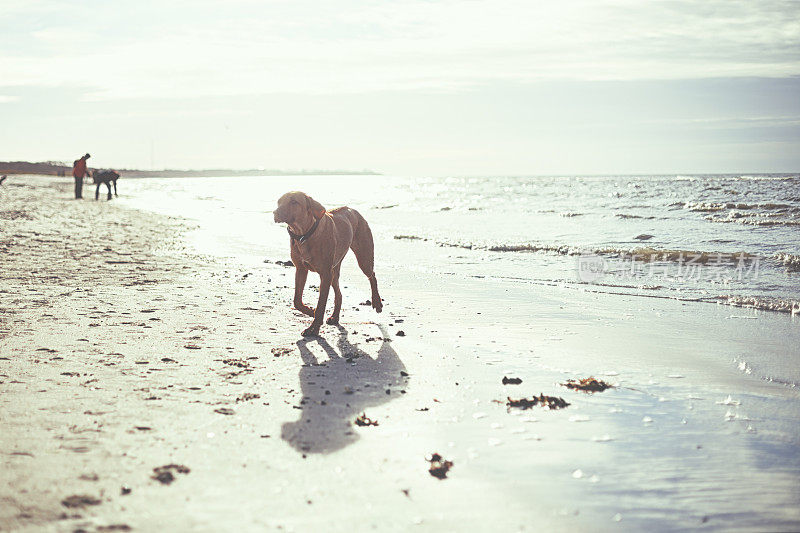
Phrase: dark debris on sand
pixel 281 351
pixel 551 402
pixel 247 396
pixel 511 381
pixel 363 420
pixel 79 501
pixel 589 384
pixel 166 474
pixel 239 363
pixel 439 466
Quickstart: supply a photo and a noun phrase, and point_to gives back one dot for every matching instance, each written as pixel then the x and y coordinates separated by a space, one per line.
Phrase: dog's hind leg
pixel 300 276
pixel 337 296
pixel 115 188
pixel 364 249
pixel 108 185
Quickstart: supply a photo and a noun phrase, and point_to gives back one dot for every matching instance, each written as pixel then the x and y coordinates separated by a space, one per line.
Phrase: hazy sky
pixel 404 86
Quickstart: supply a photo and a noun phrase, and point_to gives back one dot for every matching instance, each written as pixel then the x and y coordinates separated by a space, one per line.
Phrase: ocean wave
pixel 703 207
pixel 790 261
pixel 645 254
pixel 710 207
pixel 767 177
pixel 626 216
pixel 560 250
pixel 761 302
pixel 759 220
pixel 650 255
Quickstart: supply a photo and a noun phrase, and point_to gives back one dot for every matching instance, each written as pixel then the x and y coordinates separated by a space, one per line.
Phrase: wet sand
pixel 122 351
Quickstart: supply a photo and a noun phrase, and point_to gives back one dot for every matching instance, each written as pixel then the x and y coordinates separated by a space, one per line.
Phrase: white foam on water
pixel 729 401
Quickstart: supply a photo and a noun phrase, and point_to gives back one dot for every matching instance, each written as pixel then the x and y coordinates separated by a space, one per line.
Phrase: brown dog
pixel 319 241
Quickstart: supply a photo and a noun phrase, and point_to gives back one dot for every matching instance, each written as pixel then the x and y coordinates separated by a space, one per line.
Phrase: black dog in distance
pixel 108 177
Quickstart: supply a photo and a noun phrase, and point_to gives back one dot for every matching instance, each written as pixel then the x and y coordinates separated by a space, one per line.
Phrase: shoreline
pixel 149 334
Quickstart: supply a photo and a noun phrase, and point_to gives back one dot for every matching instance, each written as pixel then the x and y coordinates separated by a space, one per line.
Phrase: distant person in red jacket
pixel 78 172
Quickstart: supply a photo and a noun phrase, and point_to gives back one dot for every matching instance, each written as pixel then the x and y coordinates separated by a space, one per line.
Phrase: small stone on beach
pixel 166 474
pixel 79 501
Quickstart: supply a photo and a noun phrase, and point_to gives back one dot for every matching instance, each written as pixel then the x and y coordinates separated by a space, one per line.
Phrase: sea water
pixel 733 239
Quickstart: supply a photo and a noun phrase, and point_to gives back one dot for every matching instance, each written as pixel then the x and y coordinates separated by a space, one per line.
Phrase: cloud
pixel 182 49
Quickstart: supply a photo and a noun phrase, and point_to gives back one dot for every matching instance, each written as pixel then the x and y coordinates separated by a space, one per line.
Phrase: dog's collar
pixel 304 237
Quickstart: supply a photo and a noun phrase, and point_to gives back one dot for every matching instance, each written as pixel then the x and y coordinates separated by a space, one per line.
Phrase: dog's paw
pixel 332 321
pixel 378 306
pixel 311 331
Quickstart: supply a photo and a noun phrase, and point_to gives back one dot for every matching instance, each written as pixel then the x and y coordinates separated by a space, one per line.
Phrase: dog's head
pixel 297 206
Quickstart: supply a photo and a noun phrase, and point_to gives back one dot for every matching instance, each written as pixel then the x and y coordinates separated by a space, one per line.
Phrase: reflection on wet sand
pixel 336 391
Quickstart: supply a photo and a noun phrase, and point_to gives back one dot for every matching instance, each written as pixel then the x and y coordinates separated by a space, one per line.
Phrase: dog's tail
pixel 364 249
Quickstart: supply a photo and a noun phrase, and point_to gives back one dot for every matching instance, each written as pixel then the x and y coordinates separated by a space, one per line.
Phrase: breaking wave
pixel 790 261
pixel 723 206
pixel 643 253
pixel 763 303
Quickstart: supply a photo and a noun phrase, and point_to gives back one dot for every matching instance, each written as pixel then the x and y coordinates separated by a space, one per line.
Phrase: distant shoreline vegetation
pixel 59 168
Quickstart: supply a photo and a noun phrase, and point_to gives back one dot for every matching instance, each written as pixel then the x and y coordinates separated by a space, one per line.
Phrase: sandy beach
pixel 146 386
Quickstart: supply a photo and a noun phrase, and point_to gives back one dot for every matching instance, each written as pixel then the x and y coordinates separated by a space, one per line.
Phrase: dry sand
pixel 122 352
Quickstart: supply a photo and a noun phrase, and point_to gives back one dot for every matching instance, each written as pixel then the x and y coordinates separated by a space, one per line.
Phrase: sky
pixel 412 87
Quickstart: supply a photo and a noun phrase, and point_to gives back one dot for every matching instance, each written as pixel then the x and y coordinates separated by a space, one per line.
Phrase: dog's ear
pixel 316 208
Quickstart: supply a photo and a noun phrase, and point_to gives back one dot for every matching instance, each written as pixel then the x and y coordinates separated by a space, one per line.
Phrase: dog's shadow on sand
pixel 336 391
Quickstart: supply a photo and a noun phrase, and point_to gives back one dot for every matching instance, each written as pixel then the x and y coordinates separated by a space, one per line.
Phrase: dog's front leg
pixel 300 275
pixel 319 312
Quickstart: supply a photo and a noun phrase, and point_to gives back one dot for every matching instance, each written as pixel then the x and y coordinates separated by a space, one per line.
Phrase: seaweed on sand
pixel 589 384
pixel 551 402
pixel 363 420
pixel 439 466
